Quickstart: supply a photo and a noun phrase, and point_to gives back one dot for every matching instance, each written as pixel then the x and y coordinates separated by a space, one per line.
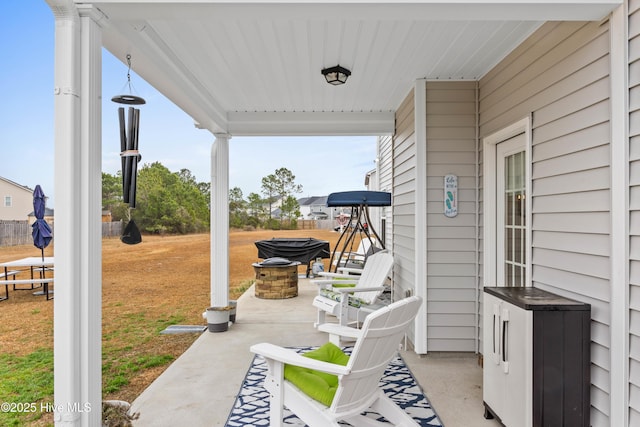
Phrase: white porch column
pixel 220 221
pixel 77 250
pixel 420 111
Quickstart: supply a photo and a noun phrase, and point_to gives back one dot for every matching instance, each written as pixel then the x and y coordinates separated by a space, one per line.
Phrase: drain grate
pixel 183 329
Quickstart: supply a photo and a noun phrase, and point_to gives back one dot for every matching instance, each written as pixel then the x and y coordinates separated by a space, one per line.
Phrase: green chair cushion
pixel 336 296
pixel 336 284
pixel 315 384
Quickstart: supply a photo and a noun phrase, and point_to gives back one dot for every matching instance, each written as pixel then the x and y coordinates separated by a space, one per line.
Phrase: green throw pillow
pixel 315 384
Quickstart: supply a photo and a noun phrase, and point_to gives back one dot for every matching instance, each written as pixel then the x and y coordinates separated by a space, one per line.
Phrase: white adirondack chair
pixel 357 391
pixel 351 298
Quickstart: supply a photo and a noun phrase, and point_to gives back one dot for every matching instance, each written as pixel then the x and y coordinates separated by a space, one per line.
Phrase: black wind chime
pixel 130 156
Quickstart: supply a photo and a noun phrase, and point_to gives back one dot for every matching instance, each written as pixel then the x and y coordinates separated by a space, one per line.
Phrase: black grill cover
pixel 304 250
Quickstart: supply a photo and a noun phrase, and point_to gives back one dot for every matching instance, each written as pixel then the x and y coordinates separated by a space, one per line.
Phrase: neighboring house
pixel 543 139
pixel 313 207
pixel 276 213
pixel 380 216
pixel 274 205
pixel 316 208
pixel 17 200
pixel 106 216
pixel 318 215
pixel 48 215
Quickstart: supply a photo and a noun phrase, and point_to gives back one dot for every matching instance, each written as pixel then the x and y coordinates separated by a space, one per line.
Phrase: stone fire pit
pixel 276 278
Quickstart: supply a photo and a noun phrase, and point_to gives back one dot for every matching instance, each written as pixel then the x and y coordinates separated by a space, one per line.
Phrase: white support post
pixel 91 217
pixel 220 221
pixel 420 112
pixel 66 318
pixel 78 250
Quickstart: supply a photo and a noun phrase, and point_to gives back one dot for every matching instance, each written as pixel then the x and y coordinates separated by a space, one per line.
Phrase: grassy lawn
pixel 145 288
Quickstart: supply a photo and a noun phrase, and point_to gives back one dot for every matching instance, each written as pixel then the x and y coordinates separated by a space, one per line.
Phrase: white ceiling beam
pixel 311 123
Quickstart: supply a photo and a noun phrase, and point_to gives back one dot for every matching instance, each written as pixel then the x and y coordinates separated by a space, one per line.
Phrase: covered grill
pixel 303 250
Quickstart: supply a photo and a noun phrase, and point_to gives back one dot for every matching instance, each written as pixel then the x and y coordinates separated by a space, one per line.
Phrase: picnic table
pixel 31 264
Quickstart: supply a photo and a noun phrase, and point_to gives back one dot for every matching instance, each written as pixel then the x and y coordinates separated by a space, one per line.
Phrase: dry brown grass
pixel 162 281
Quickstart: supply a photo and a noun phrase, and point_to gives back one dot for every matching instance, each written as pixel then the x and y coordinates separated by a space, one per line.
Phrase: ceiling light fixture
pixel 336 75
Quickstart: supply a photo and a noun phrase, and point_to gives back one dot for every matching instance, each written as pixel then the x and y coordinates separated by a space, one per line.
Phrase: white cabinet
pixel 536 356
pixel 507 361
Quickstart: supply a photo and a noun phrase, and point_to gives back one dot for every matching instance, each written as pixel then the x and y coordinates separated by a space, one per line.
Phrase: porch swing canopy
pixel 359 198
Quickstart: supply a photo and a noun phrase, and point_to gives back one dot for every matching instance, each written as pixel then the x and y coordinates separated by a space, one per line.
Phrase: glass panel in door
pixel 514 223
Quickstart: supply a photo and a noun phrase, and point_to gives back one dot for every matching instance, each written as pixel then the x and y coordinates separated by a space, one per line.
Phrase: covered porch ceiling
pixel 253 67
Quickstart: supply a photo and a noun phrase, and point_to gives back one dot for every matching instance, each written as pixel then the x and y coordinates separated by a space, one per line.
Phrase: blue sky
pixel 167 135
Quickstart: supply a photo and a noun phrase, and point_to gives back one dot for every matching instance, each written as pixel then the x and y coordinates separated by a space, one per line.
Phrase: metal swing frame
pixel 359 223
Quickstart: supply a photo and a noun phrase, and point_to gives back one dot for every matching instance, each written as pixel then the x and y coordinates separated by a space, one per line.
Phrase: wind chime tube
pixel 128 160
pixel 123 141
pixel 134 158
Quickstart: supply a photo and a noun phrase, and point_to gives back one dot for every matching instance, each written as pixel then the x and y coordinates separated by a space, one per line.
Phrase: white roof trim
pixel 432 10
pixel 15 184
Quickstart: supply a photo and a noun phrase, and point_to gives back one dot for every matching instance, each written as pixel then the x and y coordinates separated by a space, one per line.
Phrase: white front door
pixel 511 226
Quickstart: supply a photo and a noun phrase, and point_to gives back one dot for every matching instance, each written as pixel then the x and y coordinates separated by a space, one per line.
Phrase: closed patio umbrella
pixel 41 231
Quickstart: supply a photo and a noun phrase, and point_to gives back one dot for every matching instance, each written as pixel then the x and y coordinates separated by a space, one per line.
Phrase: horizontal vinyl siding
pixel 451 244
pixel 559 77
pixel 403 198
pixel 634 203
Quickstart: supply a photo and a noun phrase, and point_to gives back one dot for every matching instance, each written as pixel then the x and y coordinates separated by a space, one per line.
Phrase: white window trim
pixel 490 198
pixel 10 200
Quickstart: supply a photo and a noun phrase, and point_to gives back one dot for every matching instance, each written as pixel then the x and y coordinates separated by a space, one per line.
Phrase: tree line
pixel 175 203
pixel 277 208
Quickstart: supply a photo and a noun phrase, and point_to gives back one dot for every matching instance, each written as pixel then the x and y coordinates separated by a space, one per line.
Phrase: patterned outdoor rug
pixel 251 407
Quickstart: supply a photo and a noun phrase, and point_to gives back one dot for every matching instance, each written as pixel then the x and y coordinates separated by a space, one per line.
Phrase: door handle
pixel 504 340
pixel 496 334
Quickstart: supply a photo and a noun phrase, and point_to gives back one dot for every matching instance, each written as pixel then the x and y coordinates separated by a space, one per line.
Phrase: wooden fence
pixel 319 224
pixel 326 224
pixel 112 229
pixel 13 233
pixel 306 224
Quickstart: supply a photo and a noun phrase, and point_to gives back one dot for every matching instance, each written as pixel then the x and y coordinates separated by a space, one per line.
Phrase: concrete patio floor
pixel 200 387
